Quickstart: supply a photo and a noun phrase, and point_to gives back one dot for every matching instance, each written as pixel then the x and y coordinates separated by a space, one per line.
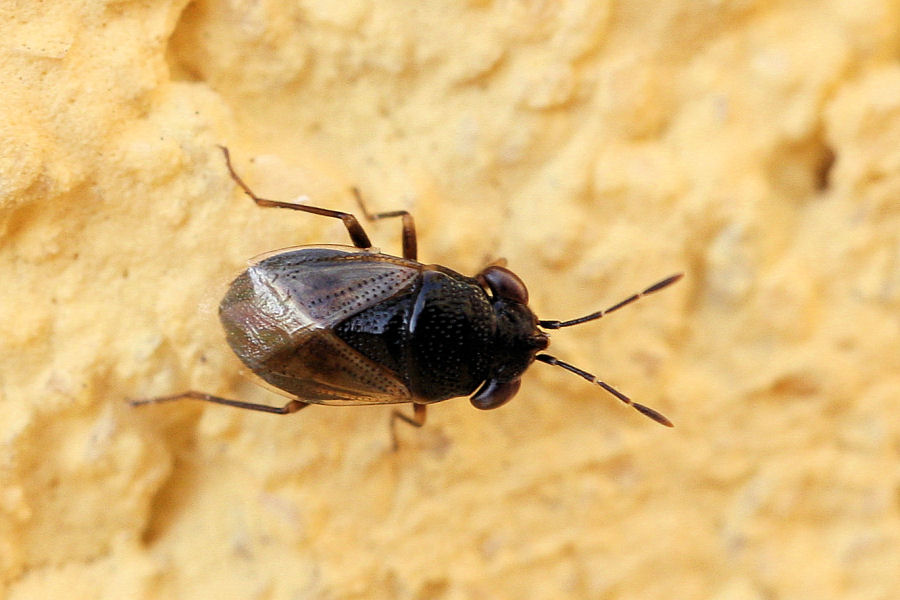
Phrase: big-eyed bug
pixel 351 326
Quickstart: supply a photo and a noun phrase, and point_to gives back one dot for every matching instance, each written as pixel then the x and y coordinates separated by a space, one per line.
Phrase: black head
pixel 519 339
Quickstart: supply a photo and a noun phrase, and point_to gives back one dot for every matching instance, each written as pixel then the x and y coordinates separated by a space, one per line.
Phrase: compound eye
pixel 494 394
pixel 505 284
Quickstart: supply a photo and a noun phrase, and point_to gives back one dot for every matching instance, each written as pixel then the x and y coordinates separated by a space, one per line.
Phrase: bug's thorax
pixel 461 335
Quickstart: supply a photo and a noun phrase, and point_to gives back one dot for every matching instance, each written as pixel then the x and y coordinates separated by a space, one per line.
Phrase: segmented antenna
pixel 594 316
pixel 552 360
pixel 644 410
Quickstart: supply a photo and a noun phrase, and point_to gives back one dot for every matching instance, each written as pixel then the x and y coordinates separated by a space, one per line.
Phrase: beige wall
pixel 598 146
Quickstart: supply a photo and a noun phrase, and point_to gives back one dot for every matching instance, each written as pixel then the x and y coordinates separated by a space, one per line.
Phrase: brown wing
pixel 278 316
pixel 323 286
pixel 322 369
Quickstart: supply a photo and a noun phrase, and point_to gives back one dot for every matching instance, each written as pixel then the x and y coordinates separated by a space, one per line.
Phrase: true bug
pixel 351 326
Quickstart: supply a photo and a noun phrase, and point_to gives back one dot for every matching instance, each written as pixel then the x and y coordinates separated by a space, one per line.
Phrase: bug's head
pixel 520 339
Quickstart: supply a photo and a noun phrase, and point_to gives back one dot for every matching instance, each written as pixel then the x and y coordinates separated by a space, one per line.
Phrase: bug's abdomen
pixel 279 316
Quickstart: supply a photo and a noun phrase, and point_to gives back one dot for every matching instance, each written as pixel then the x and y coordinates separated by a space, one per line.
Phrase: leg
pixel 291 407
pixel 417 420
pixel 357 233
pixel 409 226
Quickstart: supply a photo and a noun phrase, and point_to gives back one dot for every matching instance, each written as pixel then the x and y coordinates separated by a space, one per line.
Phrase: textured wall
pixel 599 146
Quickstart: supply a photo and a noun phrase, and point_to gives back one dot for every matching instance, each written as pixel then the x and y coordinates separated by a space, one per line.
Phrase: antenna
pixel 644 410
pixel 594 316
pixel 552 360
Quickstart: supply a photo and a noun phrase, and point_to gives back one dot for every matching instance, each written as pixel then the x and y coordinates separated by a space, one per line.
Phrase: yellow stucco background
pixel 598 146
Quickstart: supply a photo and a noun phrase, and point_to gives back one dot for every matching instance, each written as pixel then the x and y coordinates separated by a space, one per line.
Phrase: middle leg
pixel 410 249
pixel 417 420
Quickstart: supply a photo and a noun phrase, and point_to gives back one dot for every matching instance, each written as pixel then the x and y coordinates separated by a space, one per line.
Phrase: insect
pixel 344 325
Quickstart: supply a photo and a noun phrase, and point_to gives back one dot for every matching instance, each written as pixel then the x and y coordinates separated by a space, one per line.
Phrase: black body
pixel 437 336
pixel 341 325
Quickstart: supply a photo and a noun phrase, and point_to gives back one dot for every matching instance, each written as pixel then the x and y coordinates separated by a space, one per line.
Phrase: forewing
pixel 278 317
pixel 323 286
pixel 322 369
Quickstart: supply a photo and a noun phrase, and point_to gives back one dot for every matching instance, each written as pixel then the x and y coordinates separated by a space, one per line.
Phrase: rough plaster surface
pixel 598 146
